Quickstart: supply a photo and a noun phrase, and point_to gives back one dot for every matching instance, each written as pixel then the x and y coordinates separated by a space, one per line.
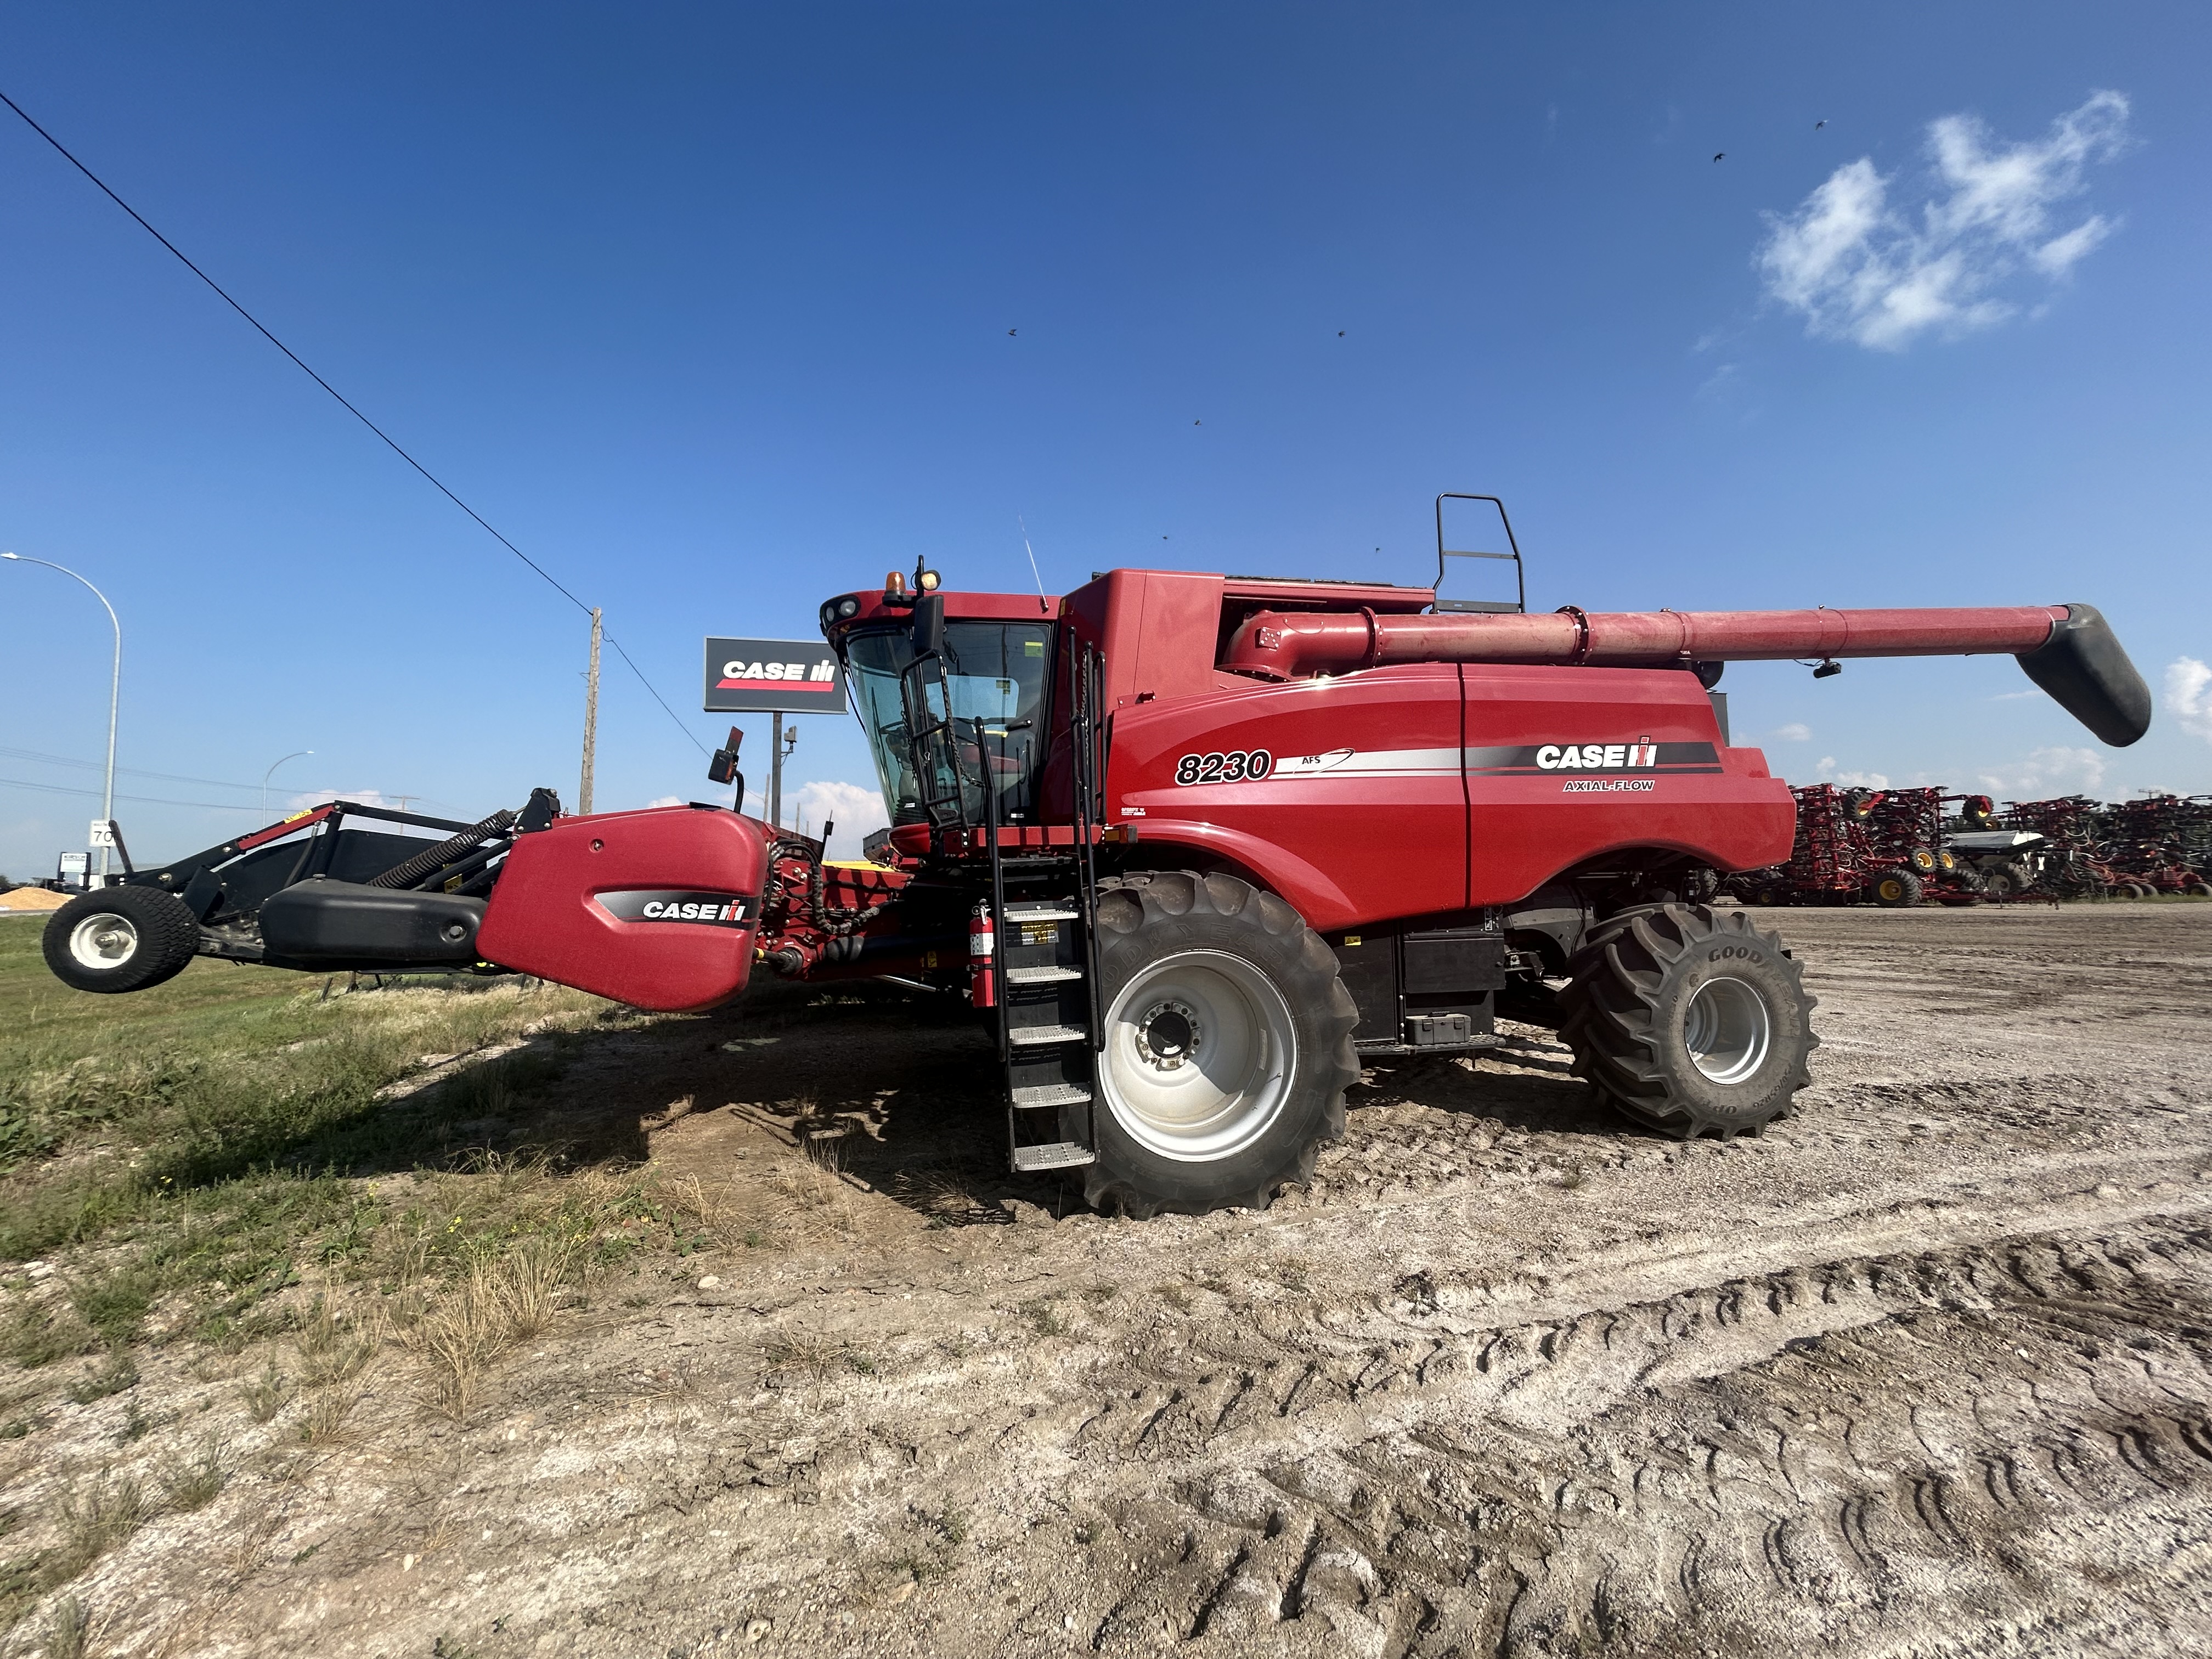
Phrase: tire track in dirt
pixel 1644 1474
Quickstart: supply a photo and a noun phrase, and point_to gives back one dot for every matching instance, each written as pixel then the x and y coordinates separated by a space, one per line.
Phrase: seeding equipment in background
pixel 1195 847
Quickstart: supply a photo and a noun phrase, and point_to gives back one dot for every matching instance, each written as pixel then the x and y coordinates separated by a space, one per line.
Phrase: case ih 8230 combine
pixel 1195 844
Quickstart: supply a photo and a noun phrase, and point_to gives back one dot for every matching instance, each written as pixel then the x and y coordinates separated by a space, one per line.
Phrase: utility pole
pixel 590 717
pixel 781 739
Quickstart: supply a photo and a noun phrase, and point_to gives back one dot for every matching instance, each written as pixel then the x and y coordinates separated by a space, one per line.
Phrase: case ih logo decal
pixel 1641 756
pixel 678 904
pixel 753 676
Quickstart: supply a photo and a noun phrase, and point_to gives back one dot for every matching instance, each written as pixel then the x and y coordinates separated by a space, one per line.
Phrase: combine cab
pixel 1195 847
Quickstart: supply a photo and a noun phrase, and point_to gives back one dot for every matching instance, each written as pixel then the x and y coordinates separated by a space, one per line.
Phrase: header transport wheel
pixel 1228 1045
pixel 1689 1020
pixel 120 939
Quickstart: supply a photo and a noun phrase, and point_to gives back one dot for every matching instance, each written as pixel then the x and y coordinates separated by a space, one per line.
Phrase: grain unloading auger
pixel 1196 848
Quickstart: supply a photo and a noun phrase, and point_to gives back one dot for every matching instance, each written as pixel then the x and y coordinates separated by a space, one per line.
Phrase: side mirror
pixel 723 769
pixel 929 625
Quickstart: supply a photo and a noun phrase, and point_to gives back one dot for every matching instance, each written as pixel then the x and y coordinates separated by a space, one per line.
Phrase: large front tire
pixel 1228 1045
pixel 120 939
pixel 1689 1020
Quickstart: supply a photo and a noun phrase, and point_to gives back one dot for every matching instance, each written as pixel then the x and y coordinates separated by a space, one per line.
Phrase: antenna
pixel 1043 604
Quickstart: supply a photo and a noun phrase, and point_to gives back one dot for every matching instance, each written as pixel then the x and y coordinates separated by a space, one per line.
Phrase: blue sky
pixel 708 309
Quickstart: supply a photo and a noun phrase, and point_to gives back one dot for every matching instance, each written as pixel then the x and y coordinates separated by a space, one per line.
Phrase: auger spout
pixel 2067 649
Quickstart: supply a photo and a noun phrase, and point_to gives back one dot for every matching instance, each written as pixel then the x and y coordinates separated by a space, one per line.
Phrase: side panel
pixel 1566 764
pixel 1360 814
pixel 655 908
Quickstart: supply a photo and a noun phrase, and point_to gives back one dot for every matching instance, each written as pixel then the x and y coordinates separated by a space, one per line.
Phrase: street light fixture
pixel 114 694
pixel 265 776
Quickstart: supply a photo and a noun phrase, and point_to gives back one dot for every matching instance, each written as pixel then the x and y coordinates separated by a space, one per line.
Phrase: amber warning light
pixel 797 676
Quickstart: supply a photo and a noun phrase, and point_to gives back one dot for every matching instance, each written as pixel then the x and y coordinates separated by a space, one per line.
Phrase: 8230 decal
pixel 1237 766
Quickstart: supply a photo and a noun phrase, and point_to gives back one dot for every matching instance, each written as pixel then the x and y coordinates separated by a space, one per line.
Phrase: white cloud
pixel 2046 773
pixel 667 801
pixel 854 808
pixel 1796 731
pixel 1859 267
pixel 2189 695
pixel 1824 772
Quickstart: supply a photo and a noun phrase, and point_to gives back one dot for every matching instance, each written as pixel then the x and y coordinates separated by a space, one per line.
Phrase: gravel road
pixel 1927 1368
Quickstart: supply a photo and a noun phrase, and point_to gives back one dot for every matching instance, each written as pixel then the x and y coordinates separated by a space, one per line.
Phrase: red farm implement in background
pixel 2158 844
pixel 1867 846
pixel 1195 848
pixel 2070 862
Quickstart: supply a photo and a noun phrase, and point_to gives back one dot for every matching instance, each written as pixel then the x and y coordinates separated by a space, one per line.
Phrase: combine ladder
pixel 1046 962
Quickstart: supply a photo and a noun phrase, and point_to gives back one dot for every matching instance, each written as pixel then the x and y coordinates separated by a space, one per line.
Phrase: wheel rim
pixel 103 941
pixel 1727 1031
pixel 1201 1048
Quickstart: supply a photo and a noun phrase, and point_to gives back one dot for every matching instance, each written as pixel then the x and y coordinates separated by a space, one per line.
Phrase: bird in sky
pixel 1198 422
pixel 1720 155
pixel 1339 334
pixel 1817 125
pixel 1012 332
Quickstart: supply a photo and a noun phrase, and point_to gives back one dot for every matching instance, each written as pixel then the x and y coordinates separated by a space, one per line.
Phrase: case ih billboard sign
pixel 798 677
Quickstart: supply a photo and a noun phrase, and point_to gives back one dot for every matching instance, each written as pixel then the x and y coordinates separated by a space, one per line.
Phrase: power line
pixel 141 800
pixel 135 771
pixel 546 575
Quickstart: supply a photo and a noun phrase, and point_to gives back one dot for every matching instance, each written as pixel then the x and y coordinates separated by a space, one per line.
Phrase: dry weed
pixel 812 1354
pixel 528 1284
pixel 501 1302
pixel 334 1346
pixel 324 1419
pixel 269 1392
pixel 68 1628
pixel 813 1187
pixel 943 1195
pixel 193 1482
pixel 96 1517
pixel 717 1214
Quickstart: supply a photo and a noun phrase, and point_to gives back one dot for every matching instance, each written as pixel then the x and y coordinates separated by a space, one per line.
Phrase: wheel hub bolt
pixel 1168 1035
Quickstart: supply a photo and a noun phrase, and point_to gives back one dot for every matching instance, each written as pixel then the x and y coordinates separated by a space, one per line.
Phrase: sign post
pixel 774 678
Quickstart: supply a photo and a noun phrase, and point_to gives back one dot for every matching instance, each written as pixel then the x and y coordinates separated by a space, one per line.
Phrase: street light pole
pixel 115 696
pixel 265 776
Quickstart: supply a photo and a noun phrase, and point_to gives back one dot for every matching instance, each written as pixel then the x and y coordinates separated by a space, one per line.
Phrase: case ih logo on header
pixel 675 904
pixel 799 677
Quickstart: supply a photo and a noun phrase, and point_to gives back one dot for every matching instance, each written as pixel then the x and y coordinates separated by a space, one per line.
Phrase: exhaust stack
pixel 2069 650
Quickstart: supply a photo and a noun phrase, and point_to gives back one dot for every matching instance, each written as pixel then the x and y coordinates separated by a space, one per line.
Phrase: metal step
pixel 1043 913
pixel 1051 1094
pixel 1041 976
pixel 1060 1155
pixel 1031 1036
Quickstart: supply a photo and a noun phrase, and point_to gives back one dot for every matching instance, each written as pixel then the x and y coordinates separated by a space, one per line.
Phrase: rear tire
pixel 1228 1045
pixel 1897 890
pixel 120 939
pixel 1689 1021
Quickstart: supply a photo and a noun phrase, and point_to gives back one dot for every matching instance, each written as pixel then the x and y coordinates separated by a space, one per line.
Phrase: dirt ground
pixel 1925 1369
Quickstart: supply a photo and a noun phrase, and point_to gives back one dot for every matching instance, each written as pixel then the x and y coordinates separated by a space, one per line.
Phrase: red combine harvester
pixel 1197 844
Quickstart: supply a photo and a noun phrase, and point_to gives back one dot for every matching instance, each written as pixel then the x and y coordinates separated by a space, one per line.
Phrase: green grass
pixel 218 1138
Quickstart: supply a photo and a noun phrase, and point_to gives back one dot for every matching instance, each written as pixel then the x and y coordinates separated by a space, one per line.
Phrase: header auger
pixel 1195 847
